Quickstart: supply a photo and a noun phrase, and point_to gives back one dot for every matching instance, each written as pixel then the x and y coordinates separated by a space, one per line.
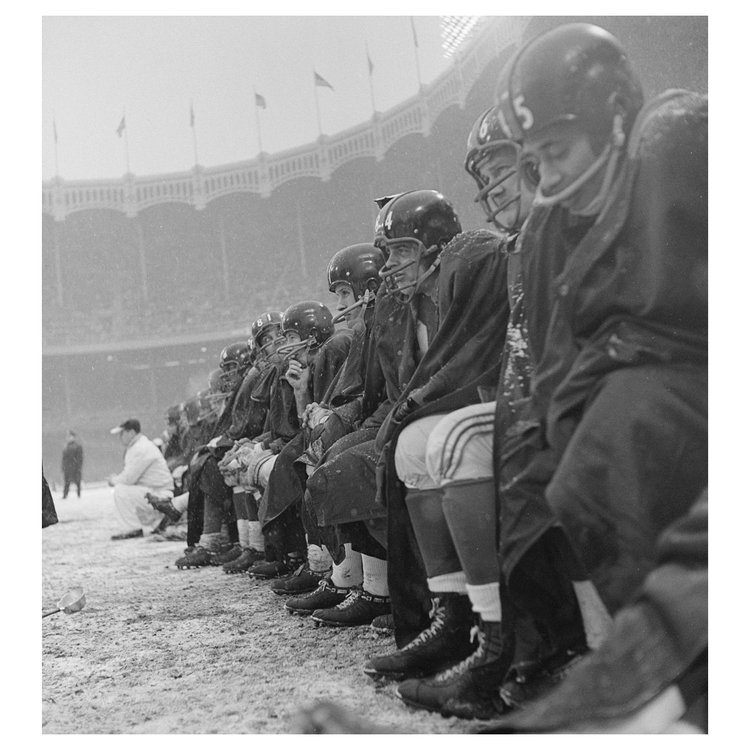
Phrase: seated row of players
pixel 506 423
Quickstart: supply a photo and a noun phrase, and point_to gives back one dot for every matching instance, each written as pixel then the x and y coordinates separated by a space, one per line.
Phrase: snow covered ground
pixel 160 650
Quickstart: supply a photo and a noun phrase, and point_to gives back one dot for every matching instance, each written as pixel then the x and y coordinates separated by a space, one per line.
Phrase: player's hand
pixel 406 407
pixel 316 416
pixel 298 375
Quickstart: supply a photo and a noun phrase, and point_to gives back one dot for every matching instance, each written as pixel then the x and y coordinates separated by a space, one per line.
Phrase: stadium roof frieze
pixel 320 159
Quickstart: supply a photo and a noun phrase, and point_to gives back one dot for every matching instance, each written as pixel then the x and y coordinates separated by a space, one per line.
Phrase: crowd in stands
pixel 495 450
pixel 128 318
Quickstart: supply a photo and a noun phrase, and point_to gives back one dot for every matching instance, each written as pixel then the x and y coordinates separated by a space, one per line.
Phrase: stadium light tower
pixel 455 30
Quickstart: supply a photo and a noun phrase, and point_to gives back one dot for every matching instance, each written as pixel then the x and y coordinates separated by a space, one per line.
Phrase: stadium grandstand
pixel 146 278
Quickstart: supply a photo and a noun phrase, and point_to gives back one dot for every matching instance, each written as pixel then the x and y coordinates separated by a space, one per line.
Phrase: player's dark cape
pixel 248 414
pixel 342 489
pixel 286 484
pixel 660 638
pixel 615 443
pixel 49 514
pixel 463 357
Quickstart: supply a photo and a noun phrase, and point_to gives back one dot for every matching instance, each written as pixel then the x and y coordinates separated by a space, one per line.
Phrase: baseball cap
pixel 128 424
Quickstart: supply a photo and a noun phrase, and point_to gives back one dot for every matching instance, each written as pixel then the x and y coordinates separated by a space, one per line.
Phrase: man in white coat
pixel 145 471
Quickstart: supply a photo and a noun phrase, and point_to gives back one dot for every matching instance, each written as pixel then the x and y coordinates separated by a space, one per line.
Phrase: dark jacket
pixel 72 458
pixel 632 296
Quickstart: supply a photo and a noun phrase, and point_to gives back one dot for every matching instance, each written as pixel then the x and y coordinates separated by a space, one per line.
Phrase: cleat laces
pixel 458 669
pixel 351 597
pixel 437 617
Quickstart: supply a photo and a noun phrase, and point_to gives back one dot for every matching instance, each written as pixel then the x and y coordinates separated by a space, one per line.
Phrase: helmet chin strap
pixel 343 313
pixel 405 292
pixel 413 286
pixel 609 156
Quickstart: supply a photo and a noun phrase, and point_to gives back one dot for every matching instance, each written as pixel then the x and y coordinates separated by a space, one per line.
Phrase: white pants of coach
pixel 135 512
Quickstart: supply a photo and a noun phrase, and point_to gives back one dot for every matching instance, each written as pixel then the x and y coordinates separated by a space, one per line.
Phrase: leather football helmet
pixel 236 356
pixel 208 403
pixel 261 325
pixel 215 380
pixel 424 217
pixel 192 410
pixel 313 323
pixel 174 414
pixel 488 136
pixel 576 73
pixel 357 266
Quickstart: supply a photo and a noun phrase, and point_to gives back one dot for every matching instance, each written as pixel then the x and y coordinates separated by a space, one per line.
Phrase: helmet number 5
pixel 524 114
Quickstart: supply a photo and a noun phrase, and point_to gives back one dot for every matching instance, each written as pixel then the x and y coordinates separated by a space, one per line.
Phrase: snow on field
pixel 160 650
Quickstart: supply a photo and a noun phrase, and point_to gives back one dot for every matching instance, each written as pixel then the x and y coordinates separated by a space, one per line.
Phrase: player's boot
pixel 325 595
pixel 301 581
pixel 471 688
pixel 227 556
pixel 196 557
pixel 359 608
pixel 445 642
pixel 244 562
pixel 275 569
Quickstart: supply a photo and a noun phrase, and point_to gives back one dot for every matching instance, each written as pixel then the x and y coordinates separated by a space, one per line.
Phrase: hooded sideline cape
pixel 614 444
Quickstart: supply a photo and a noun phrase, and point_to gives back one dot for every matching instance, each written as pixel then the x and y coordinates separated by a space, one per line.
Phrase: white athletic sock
pixel 210 542
pixel 596 619
pixel 448 583
pixel 349 572
pixel 374 576
pixel 485 601
pixel 243 532
pixel 181 501
pixel 255 537
pixel 318 558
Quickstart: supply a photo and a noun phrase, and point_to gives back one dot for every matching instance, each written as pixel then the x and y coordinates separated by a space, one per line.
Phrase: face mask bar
pixel 264 351
pixel 487 187
pixel 288 350
pixel 338 317
pixel 609 156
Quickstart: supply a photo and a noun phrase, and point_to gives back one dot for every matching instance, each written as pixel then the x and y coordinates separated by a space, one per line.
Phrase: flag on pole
pixel 192 116
pixel 370 66
pixel 260 101
pixel 120 127
pixel 320 81
pixel 414 32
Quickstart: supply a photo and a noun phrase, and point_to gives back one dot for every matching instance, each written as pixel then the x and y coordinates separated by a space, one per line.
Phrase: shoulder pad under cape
pixel 467 242
pixel 660 112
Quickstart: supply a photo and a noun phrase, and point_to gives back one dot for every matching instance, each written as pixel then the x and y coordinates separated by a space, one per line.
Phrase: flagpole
pixel 369 75
pixel 54 130
pixel 257 122
pixel 416 51
pixel 127 145
pixel 317 105
pixel 195 137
